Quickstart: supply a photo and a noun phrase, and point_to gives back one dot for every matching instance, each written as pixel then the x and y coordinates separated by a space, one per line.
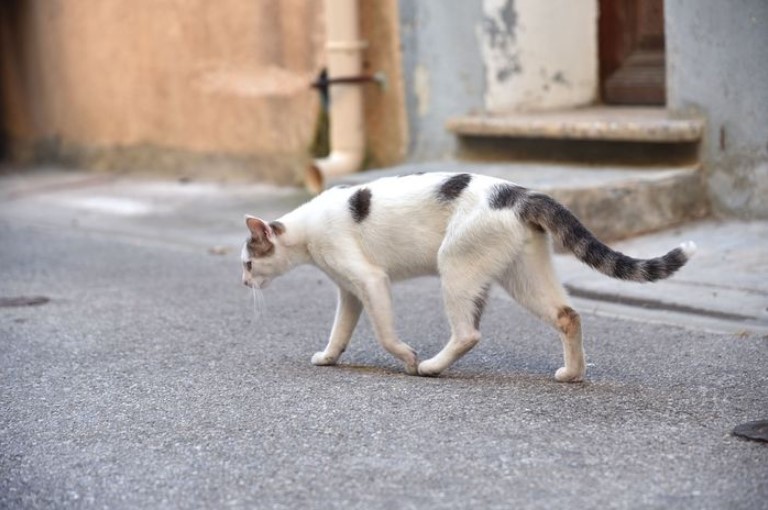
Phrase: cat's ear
pixel 259 228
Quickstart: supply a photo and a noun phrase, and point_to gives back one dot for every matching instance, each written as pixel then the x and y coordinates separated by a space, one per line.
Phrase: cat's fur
pixel 471 230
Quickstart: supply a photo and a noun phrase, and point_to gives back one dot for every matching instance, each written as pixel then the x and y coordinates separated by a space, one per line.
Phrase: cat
pixel 471 230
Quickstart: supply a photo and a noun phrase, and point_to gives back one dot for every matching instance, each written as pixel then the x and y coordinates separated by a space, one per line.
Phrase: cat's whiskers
pixel 258 303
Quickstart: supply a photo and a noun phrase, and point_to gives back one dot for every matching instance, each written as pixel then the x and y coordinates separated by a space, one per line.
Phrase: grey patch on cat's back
pixel 505 196
pixel 360 204
pixel 452 187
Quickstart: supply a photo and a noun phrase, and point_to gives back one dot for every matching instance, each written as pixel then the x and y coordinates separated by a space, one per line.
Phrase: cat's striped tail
pixel 550 215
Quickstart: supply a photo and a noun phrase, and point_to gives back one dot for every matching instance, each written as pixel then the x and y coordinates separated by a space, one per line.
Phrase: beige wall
pixel 190 86
pixel 385 115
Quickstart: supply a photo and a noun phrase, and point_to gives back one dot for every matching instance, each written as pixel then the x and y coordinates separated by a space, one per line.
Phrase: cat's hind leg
pixel 531 280
pixel 348 310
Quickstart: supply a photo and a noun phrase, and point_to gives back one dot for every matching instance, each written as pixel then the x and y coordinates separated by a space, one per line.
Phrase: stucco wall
pixel 444 74
pixel 717 58
pixel 385 113
pixel 177 84
pixel 539 55
pixel 465 57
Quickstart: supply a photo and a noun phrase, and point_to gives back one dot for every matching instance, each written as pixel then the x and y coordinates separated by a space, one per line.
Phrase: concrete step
pixel 637 135
pixel 615 203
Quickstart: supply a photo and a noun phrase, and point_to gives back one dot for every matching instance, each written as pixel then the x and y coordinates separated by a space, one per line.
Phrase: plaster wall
pixel 496 56
pixel 716 65
pixel 385 113
pixel 444 74
pixel 539 55
pixel 166 85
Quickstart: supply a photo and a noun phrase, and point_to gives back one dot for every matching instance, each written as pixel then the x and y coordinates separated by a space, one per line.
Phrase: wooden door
pixel 631 46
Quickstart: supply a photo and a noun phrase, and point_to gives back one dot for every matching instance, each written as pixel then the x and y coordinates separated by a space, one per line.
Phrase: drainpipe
pixel 344 56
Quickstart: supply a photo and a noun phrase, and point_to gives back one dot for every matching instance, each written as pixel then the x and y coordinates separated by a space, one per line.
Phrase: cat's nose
pixel 247 283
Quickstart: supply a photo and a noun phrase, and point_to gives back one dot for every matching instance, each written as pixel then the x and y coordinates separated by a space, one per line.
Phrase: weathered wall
pixel 385 117
pixel 539 55
pixel 717 56
pixel 462 57
pixel 444 73
pixel 174 85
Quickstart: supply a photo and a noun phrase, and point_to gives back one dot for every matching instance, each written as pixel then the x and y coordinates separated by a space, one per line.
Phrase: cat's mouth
pixel 257 283
pixel 261 283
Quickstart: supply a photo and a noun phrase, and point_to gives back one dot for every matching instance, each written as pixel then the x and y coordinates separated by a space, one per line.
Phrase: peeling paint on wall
pixel 421 88
pixel 539 55
pixel 443 70
pixel 498 30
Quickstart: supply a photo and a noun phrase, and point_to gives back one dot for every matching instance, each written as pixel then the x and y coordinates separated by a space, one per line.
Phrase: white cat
pixel 471 230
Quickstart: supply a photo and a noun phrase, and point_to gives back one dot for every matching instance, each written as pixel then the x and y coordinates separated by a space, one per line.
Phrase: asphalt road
pixel 148 382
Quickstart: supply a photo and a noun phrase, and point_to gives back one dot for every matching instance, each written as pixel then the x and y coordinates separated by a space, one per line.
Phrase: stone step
pixel 595 123
pixel 633 135
pixel 615 203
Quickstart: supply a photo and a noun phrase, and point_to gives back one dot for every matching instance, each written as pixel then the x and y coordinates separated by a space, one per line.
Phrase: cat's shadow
pixel 459 375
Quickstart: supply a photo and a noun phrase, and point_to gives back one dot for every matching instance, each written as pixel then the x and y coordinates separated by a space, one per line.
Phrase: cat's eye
pixel 248 266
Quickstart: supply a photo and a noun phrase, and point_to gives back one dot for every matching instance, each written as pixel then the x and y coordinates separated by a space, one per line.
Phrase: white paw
pixel 429 368
pixel 411 360
pixel 321 359
pixel 563 375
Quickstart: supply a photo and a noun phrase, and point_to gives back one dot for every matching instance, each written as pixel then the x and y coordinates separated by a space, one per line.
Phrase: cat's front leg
pixel 348 310
pixel 377 299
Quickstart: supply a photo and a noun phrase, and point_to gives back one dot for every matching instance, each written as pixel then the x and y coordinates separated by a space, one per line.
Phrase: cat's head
pixel 263 253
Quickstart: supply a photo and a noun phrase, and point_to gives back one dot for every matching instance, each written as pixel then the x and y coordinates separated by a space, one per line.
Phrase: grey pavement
pixel 148 381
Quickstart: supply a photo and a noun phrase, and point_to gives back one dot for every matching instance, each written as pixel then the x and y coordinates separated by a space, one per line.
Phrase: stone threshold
pixel 600 123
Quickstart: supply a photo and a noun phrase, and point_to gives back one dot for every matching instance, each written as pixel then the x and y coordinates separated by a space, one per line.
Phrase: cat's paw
pixel 321 359
pixel 412 363
pixel 429 368
pixel 563 375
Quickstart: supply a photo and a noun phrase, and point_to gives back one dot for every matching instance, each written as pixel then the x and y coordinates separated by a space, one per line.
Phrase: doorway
pixel 631 52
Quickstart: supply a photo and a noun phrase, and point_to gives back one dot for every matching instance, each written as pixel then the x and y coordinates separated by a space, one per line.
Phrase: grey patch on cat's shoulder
pixel 505 196
pixel 360 204
pixel 452 187
pixel 277 227
pixel 341 186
